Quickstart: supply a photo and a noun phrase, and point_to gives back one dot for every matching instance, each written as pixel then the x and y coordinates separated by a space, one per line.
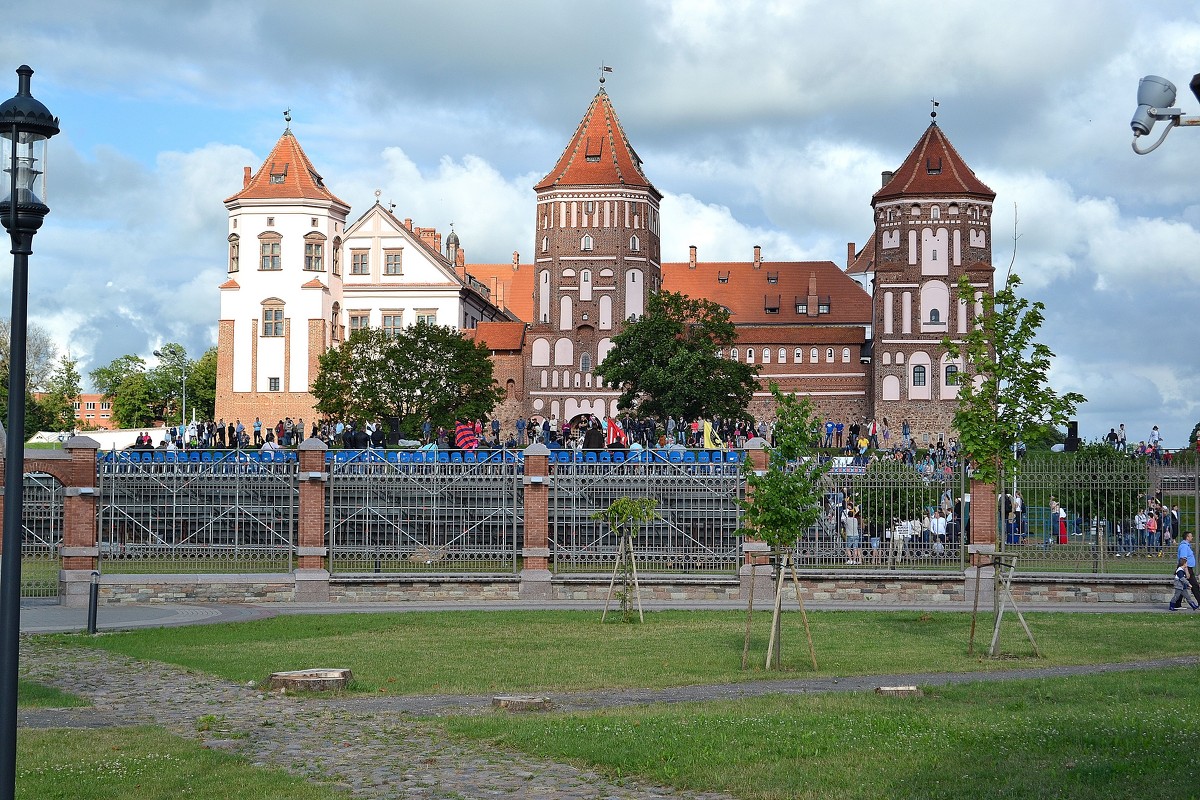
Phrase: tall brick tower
pixel 596 261
pixel 933 224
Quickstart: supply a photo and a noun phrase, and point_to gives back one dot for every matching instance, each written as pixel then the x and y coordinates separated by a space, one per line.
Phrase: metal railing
pixel 392 512
pixel 41 535
pixel 197 512
pixel 698 516
pixel 1080 514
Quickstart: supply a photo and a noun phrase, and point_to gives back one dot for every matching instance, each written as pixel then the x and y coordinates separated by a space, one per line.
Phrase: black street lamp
pixel 25 125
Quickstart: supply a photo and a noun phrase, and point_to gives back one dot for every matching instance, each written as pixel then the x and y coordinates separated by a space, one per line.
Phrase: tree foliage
pixel 785 501
pixel 202 385
pixel 1004 389
pixel 40 354
pixel 124 382
pixel 425 371
pixel 58 401
pixel 668 363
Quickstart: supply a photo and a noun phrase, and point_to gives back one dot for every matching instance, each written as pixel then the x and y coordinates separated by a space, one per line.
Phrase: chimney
pixel 757 257
pixel 461 258
pixel 849 254
pixel 812 294
pixel 692 256
pixel 887 177
pixel 408 223
pixel 246 176
pixel 516 260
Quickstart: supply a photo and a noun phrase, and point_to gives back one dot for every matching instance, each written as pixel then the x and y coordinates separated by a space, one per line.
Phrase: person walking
pixel 1188 554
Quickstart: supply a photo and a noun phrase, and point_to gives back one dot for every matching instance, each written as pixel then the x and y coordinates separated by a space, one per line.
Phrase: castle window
pixel 272 319
pixel 733 354
pixel 823 308
pixel 393 323
pixel 545 244
pixel 845 355
pixel 772 277
pixel 586 243
pixel 234 245
pixel 270 222
pixel 393 262
pixel 634 244
pixel 336 331
pixel 312 223
pixel 722 277
pixel 771 304
pixel 933 167
pixel 935 212
pixel 428 316
pixel 766 355
pixel 314 252
pixel 829 354
pixel 915 210
pixel 585 363
pixel 749 355
pixel 359 321
pixel 802 308
pixel 935 316
pixel 337 257
pixel 272 384
pixel 360 262
pixel 812 355
pixel 269 251
pixel 783 355
pixel 589 207
pixel 951 374
pixel 918 374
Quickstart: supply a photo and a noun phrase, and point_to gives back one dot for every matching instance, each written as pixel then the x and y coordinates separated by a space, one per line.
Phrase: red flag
pixel 614 433
pixel 464 436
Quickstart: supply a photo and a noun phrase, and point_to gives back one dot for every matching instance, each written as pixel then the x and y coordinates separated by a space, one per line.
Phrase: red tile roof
pixel 287 173
pixel 315 283
pixel 499 335
pixel 511 286
pixel 748 292
pixel 933 167
pixel 598 154
pixel 229 284
pixel 864 261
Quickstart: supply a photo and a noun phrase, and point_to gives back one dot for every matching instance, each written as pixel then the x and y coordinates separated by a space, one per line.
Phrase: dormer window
pixel 771 304
pixel 933 166
pixel 772 277
pixel 277 174
pixel 823 308
pixel 802 308
pixel 722 277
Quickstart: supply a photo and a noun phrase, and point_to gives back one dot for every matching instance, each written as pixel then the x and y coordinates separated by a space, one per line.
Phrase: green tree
pixel 668 362
pixel 40 353
pixel 425 371
pixel 1004 389
pixel 202 385
pixel 169 392
pixel 58 401
pixel 124 383
pixel 784 501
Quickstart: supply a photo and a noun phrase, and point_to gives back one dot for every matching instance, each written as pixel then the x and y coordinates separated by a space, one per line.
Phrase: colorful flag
pixel 464 436
pixel 614 434
pixel 711 440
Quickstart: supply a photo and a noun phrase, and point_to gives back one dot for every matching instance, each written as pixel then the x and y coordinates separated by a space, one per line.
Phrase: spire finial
pixel 933 113
pixel 603 69
pixel 287 118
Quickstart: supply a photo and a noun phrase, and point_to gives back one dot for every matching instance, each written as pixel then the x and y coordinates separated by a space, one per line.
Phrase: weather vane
pixel 287 117
pixel 933 114
pixel 603 69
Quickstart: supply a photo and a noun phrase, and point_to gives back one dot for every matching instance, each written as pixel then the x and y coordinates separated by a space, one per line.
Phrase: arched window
pixel 634 243
pixel 798 356
pixel 749 355
pixel 272 317
pixel 812 355
pixel 337 256
pixel 234 245
pixel 845 355
pixel 918 373
pixel 766 355
pixel 586 243
pixel 733 354
pixel 335 323
pixel 545 244
pixel 783 355
pixel 585 362
pixel 935 316
pixel 829 355
pixel 951 374
pixel 269 251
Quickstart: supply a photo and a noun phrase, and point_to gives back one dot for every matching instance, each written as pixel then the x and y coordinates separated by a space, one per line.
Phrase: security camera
pixel 1154 93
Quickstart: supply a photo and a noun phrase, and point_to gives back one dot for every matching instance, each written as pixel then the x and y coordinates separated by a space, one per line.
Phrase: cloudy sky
pixel 762 123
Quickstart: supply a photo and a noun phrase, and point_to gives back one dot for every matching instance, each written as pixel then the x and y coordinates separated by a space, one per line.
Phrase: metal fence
pixel 424 512
pixel 696 492
pixel 897 506
pixel 1081 514
pixel 41 535
pixel 197 512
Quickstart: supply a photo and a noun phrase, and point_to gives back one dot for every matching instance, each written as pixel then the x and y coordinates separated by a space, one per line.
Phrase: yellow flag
pixel 711 441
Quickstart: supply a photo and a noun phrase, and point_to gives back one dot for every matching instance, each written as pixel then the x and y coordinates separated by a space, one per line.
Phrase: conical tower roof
pixel 933 167
pixel 598 154
pixel 286 174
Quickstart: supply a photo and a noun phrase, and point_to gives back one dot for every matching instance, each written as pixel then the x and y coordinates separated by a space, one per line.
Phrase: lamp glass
pixel 23 154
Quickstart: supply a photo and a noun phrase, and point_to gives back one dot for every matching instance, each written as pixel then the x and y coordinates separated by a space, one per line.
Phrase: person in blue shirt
pixel 1188 555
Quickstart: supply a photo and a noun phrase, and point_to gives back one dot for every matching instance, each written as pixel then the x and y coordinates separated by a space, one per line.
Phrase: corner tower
pixel 596 261
pixel 280 304
pixel 933 224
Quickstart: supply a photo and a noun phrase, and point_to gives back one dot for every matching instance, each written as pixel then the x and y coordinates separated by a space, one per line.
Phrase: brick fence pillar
pixel 754 575
pixel 984 522
pixel 81 545
pixel 535 572
pixel 312 577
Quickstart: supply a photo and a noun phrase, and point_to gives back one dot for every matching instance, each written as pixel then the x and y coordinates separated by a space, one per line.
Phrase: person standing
pixel 1188 555
pixel 258 437
pixel 853 538
pixel 1122 438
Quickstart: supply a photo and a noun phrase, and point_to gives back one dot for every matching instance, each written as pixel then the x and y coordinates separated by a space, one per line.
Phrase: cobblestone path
pixel 372 750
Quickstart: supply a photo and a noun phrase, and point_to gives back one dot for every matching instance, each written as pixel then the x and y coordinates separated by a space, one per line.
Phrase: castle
pixel 863 340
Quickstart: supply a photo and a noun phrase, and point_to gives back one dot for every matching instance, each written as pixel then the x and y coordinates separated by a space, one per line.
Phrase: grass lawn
pixel 482 652
pixel 147 764
pixel 36 695
pixel 1106 736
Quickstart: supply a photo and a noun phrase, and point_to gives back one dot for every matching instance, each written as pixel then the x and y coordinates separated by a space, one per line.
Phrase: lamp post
pixel 183 395
pixel 25 125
